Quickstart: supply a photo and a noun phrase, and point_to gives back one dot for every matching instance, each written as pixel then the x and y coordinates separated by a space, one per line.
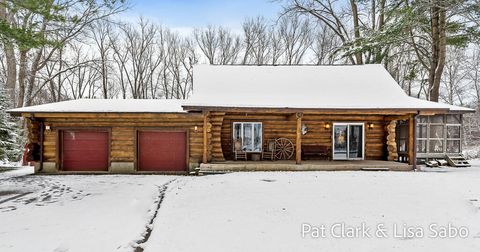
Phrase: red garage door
pixel 161 151
pixel 85 150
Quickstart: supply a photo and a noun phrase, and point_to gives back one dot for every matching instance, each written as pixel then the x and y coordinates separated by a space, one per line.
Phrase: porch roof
pixel 337 87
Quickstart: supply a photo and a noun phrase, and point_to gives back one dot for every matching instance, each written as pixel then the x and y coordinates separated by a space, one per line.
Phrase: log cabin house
pixel 246 118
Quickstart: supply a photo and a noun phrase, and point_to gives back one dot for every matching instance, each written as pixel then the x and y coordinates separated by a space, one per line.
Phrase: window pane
pixel 421 131
pixel 453 131
pixel 257 143
pixel 402 130
pixel 422 119
pixel 421 146
pixel 402 145
pixel 247 137
pixel 436 131
pixel 340 141
pixel 453 146
pixel 436 146
pixel 436 119
pixel 237 131
pixel 453 119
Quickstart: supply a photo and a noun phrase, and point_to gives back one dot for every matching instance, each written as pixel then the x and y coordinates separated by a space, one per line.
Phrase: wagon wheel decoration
pixel 283 149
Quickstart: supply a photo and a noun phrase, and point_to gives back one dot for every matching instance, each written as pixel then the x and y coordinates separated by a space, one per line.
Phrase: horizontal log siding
pixel 284 125
pixel 123 132
pixel 374 138
pixel 274 126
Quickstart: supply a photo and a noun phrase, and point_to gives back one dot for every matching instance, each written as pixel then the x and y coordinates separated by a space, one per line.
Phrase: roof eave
pixel 293 110
pixel 46 113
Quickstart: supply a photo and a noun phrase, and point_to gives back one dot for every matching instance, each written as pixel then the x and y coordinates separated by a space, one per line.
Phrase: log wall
pixel 123 128
pixel 274 126
pixel 284 125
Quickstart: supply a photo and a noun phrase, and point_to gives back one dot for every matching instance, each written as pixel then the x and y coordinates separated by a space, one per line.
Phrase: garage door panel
pixel 161 151
pixel 84 165
pixel 85 150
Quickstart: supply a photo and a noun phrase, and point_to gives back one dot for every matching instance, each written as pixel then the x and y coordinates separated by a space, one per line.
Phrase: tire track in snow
pixel 149 227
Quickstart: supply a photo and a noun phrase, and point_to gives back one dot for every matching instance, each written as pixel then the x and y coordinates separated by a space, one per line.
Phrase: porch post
pixel 206 114
pixel 411 140
pixel 298 142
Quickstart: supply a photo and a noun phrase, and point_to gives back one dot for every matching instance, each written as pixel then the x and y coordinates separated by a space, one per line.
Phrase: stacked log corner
pixel 391 142
pixel 33 144
pixel 216 122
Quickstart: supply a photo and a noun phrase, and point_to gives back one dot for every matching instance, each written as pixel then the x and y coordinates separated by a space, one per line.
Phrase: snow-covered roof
pixel 107 106
pixel 295 87
pixel 308 87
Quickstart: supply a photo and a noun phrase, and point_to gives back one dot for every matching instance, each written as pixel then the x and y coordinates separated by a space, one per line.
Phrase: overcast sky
pixel 188 14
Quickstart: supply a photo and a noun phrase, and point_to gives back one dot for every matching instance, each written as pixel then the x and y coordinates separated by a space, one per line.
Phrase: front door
pixel 348 141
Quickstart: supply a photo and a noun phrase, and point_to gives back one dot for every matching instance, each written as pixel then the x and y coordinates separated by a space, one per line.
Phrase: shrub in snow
pixel 471 152
pixel 10 139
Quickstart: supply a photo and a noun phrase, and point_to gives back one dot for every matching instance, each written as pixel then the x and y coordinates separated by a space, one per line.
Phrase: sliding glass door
pixel 348 141
pixel 340 146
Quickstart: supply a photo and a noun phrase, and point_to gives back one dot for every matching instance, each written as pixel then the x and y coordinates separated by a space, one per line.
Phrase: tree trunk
pixel 356 27
pixel 103 58
pixel 11 71
pixel 32 76
pixel 379 53
pixel 438 11
pixel 22 75
pixel 10 57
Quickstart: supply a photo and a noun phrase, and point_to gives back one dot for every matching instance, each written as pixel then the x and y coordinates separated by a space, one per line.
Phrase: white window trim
pixel 253 134
pixel 348 139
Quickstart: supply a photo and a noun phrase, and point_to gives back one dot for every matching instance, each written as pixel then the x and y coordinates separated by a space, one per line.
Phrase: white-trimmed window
pixel 250 135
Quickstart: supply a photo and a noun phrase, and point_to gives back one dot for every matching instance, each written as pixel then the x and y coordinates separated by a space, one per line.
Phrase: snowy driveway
pixel 261 211
pixel 77 213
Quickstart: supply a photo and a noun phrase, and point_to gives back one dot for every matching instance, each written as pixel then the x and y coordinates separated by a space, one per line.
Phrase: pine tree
pixel 9 137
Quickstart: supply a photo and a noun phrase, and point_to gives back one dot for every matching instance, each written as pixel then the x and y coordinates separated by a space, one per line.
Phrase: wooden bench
pixel 316 151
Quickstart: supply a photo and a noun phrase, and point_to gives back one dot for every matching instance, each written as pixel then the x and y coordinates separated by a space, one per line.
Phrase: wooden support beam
pixel 298 142
pixel 411 140
pixel 206 114
pixel 397 118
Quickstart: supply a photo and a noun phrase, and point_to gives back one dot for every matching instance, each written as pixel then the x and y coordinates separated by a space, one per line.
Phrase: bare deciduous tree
pixel 100 33
pixel 295 34
pixel 256 40
pixel 218 44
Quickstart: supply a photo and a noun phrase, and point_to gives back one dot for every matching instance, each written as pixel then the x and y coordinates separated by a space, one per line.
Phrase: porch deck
pixel 310 165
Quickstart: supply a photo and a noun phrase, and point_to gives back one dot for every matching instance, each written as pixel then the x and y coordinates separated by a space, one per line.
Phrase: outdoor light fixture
pixel 327 126
pixel 47 128
pixel 370 125
pixel 196 128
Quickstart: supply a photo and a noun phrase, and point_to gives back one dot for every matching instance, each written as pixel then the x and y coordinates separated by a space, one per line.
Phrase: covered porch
pixel 348 140
pixel 308 165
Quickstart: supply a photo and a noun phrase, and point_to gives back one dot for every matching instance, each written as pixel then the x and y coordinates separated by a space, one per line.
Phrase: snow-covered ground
pixel 76 213
pixel 262 211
